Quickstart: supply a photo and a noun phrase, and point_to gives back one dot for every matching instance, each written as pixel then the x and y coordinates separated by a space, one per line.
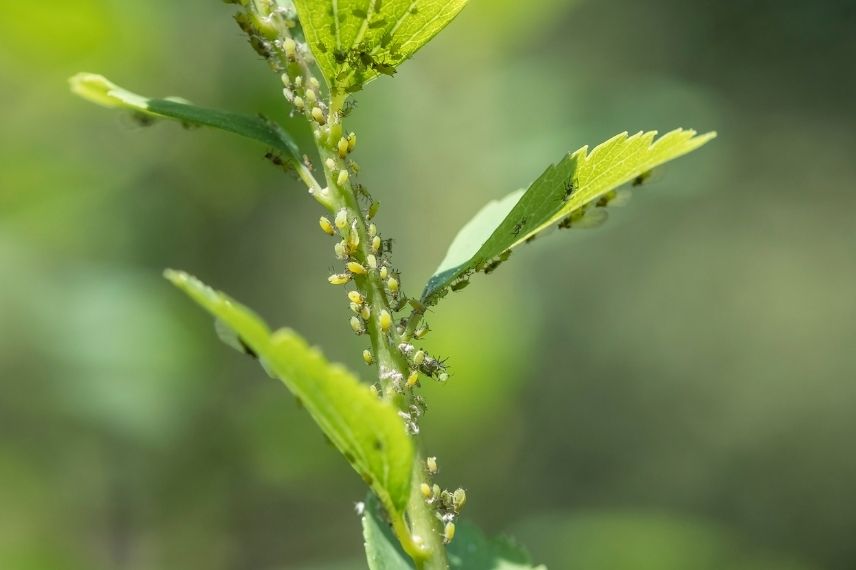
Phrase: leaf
pixel 383 551
pixel 355 41
pixel 98 89
pixel 470 550
pixel 563 193
pixel 367 431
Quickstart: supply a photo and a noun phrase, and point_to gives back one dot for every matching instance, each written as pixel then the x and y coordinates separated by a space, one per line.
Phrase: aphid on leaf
pixel 518 227
pixel 642 178
pixel 460 284
pixel 570 186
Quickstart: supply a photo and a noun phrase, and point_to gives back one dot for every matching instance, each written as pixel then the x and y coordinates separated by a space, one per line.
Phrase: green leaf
pixel 355 41
pixel 366 430
pixel 563 194
pixel 470 550
pixel 98 89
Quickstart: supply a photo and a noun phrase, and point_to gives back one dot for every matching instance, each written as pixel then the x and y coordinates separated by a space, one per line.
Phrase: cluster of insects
pixel 447 504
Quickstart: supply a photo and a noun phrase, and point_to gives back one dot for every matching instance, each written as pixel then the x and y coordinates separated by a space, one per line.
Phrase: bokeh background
pixel 672 391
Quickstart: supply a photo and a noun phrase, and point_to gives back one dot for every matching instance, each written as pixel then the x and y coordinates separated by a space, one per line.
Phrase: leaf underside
pixel 355 41
pixel 470 550
pixel 367 431
pixel 562 195
pixel 98 89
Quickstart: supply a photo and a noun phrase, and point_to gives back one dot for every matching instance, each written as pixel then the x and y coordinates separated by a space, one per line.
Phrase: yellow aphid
pixel 384 272
pixel 326 226
pixel 357 325
pixel 419 357
pixel 385 320
pixel 342 147
pixel 431 464
pixel 355 308
pixel 356 297
pixel 290 47
pixel 339 279
pixel 342 219
pixel 318 115
pixel 459 499
pixel 372 261
pixel 352 142
pixel 298 103
pixel 449 532
pixel 311 98
pixel 372 230
pixel 368 358
pixel 343 177
pixel 366 312
pixel 298 81
pixel 425 488
pixel 286 80
pixel 412 379
pixel 314 83
pixel 354 238
pixel 356 268
pixel 376 244
pixel 339 248
pixel 373 208
pixel 392 285
pixel 330 164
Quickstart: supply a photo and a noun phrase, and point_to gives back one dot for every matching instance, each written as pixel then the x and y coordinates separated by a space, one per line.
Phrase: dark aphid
pixel 275 158
pixel 570 186
pixel 322 47
pixel 460 284
pixel 340 56
pixel 379 23
pixel 143 119
pixel 605 200
pixel 642 178
pixel 347 108
pixel 531 238
pixel 359 13
pixel 518 227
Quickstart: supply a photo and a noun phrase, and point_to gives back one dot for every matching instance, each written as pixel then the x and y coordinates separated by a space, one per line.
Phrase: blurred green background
pixel 673 391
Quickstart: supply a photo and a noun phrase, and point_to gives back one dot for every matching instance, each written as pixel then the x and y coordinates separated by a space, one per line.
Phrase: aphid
pixel 570 186
pixel 425 488
pixel 421 332
pixel 274 158
pixel 356 297
pixel 431 464
pixel 341 219
pixel 373 208
pixel 604 200
pixel 384 272
pixel 366 312
pixel 339 278
pixel 343 177
pixel 392 285
pixel 356 268
pixel 460 284
pixel 353 237
pixel 352 141
pixel 449 532
pixel 368 357
pixel 286 80
pixel 318 115
pixel 443 377
pixel 518 227
pixel 372 230
pixel 412 379
pixel 419 357
pixel 385 320
pixel 342 147
pixel 311 98
pixel 642 178
pixel 372 261
pixel 357 325
pixel 314 83
pixel 298 103
pixel 459 499
pixel 376 243
pixel 355 308
pixel 326 226
pixel 298 81
pixel 339 249
pixel 290 47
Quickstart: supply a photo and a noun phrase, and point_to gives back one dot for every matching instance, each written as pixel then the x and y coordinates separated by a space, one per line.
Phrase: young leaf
pixel 98 89
pixel 469 550
pixel 367 431
pixel 561 194
pixel 355 41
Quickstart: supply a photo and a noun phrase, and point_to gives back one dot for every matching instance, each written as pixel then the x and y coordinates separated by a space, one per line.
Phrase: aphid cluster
pixel 447 504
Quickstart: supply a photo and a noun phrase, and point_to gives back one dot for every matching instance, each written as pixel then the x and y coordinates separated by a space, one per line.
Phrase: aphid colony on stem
pixel 364 256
